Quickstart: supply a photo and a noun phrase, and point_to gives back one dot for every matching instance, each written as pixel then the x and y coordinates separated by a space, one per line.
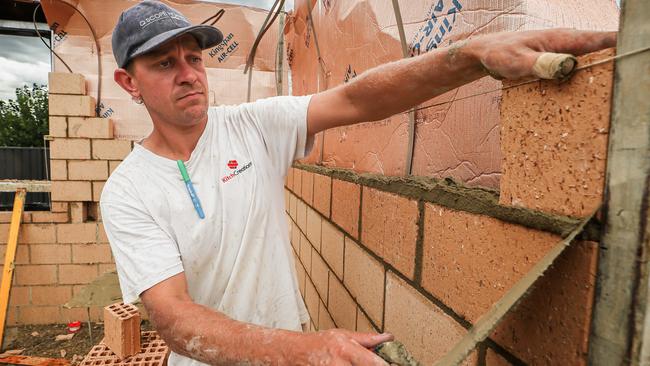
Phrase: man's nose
pixel 186 73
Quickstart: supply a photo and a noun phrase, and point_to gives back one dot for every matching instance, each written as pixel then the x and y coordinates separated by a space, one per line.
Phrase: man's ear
pixel 127 82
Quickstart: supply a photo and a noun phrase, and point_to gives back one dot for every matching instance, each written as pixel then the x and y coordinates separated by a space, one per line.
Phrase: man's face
pixel 173 83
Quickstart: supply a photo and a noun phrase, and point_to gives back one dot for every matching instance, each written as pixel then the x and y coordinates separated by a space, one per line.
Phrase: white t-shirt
pixel 237 259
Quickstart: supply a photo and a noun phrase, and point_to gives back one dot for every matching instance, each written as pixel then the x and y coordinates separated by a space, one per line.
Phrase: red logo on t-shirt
pixel 232 164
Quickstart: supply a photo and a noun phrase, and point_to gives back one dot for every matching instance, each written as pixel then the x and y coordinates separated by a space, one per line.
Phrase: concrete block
pixel 70 149
pixel 35 275
pixel 90 127
pixel 363 323
pixel 346 197
pixel 37 233
pixel 311 299
pixel 50 295
pixel 87 170
pixel 91 253
pixel 111 149
pixel 297 182
pixel 389 228
pixel 325 320
pixel 320 275
pixel 97 191
pixel 364 277
pixel 50 254
pixel 66 83
pixel 47 217
pixel 77 274
pixel 77 233
pixel 59 207
pixel 112 165
pixel 39 315
pixel 305 253
pixel 554 141
pixel 122 329
pixel 71 191
pixel 71 105
pixel 469 261
pixel 301 215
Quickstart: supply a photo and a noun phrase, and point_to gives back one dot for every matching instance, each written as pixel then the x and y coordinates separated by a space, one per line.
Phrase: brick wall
pixel 62 250
pixel 425 259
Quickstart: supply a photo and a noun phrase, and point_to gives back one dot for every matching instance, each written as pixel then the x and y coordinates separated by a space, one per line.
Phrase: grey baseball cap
pixel 143 27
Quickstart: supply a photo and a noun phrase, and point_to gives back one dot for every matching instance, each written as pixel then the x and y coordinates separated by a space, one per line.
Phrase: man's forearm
pixel 397 86
pixel 208 336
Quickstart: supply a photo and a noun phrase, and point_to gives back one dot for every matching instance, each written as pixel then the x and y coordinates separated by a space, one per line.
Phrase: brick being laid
pixel 122 329
pixel 154 352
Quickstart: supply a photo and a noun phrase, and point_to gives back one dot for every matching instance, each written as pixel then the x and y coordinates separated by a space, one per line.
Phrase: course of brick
pixel 63 249
pixel 154 352
pixel 425 259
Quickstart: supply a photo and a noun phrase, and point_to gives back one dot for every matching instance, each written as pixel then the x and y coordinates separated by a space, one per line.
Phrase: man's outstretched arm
pixel 397 86
pixel 211 337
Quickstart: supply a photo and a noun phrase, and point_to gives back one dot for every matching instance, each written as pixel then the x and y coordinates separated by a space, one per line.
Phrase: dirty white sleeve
pixel 144 254
pixel 282 123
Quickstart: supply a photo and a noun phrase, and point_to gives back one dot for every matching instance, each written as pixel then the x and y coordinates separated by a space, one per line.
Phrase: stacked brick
pixel 63 249
pixel 374 259
pixel 122 329
pixel 154 352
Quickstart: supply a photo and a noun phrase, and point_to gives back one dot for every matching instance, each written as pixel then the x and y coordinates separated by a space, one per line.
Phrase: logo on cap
pixel 160 16
pixel 232 164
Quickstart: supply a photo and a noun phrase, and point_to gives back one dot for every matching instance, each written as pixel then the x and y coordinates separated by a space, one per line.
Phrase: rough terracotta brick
pixel 37 233
pixel 301 215
pixel 494 359
pixel 70 149
pixel 364 277
pixel 313 227
pixel 97 190
pixel 87 169
pixel 51 295
pixel 302 276
pixel 49 217
pixel 71 105
pixel 311 299
pixel 91 253
pixel 75 274
pixel 39 315
pixel 470 261
pixel 307 190
pixel 58 126
pixel 293 207
pixel 289 179
pixel 551 325
pixel 322 194
pixel 295 237
pixel 332 247
pixel 66 83
pixel 426 331
pixel 59 207
pixel 305 253
pixel 50 253
pixel 364 324
pixel 71 191
pixel 320 275
pixel 345 206
pixel 35 275
pixel 554 141
pixel 112 165
pixel 93 127
pixel 389 228
pixel 341 305
pixel 297 182
pixel 122 329
pixel 325 320
pixel 19 295
pixel 111 149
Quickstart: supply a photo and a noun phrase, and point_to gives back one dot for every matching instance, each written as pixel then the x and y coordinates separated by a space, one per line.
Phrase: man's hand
pixel 335 347
pixel 512 55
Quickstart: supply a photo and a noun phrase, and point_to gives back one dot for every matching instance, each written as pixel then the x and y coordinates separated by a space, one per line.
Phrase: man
pixel 212 264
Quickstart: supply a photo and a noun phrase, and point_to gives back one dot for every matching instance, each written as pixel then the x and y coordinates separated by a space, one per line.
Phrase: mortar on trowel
pixel 395 354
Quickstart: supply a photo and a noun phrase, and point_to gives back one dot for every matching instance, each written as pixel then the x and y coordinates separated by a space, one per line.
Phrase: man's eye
pixel 165 64
pixel 196 59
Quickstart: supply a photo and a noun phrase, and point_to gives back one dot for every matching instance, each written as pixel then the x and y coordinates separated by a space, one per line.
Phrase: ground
pixel 39 340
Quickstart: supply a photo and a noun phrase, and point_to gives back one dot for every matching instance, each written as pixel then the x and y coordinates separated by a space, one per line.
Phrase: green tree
pixel 24 121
